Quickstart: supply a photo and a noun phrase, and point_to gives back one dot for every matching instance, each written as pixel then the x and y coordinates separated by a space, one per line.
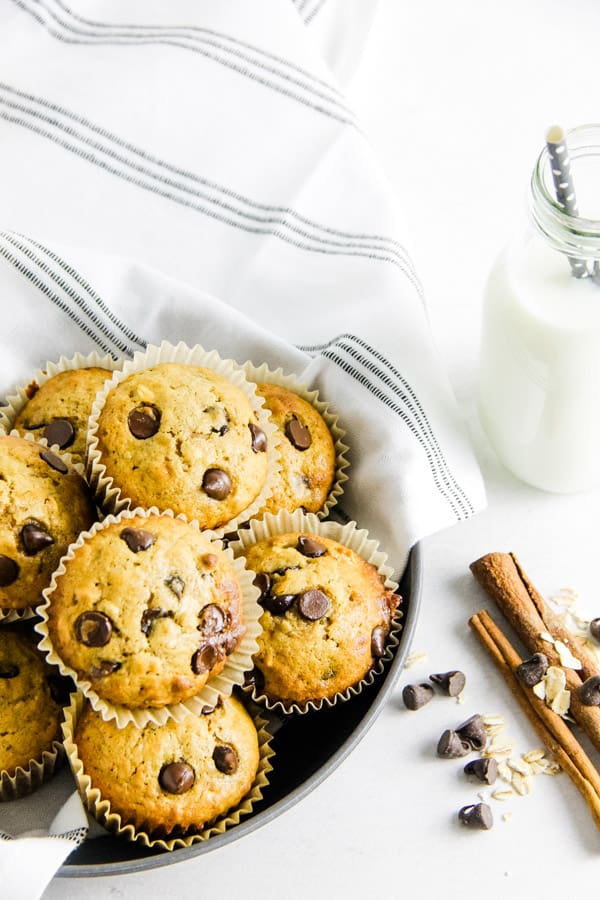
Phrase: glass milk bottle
pixel 539 380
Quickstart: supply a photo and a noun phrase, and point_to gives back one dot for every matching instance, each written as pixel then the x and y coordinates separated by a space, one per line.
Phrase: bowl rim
pixel 390 676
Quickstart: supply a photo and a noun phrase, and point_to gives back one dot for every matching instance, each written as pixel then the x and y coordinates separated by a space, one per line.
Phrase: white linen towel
pixel 191 171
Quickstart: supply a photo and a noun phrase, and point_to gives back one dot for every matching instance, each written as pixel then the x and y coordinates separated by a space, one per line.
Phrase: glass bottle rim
pixel 576 236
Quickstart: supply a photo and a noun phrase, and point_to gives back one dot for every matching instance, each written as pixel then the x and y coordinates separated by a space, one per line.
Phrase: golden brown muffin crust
pixel 183 438
pixel 147 610
pixel 67 397
pixel 44 505
pixel 326 616
pixel 215 759
pixel 306 473
pixel 29 716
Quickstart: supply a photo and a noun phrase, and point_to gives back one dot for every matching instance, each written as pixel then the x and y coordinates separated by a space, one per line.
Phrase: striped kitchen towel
pixel 192 170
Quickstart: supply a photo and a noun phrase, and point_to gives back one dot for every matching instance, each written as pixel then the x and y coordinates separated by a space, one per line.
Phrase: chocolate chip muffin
pixel 44 505
pixel 59 409
pixel 306 452
pixel 30 717
pixel 146 610
pixel 171 779
pixel 327 614
pixel 185 438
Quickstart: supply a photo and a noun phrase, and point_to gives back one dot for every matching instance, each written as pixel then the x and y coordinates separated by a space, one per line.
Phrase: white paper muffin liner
pixel 263 374
pixel 358 540
pixel 100 808
pixel 29 612
pixel 108 494
pixel 217 686
pixel 25 781
pixel 16 401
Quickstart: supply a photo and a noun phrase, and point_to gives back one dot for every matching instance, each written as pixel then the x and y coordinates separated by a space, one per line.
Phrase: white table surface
pixel 456 98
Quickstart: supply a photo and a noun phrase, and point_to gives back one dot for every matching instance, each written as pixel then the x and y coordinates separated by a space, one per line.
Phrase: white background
pixel 455 98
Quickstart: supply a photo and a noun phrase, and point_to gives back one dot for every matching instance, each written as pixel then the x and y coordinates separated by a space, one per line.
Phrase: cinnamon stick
pixel 503 578
pixel 550 728
pixel 589 663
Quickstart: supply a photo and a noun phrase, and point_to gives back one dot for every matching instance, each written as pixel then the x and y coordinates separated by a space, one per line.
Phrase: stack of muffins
pixel 164 527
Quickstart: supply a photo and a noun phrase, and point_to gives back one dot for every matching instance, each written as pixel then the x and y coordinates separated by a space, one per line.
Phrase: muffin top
pixel 60 408
pixel 179 776
pixel 326 617
pixel 44 504
pixel 29 716
pixel 306 452
pixel 147 610
pixel 183 438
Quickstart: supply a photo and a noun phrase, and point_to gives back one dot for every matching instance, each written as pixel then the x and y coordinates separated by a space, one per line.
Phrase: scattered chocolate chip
pixel 144 421
pixel 308 547
pixel 149 616
pixel 450 746
pixel 212 619
pixel 61 688
pixel 259 438
pixel 532 670
pixel 93 629
pixel 207 710
pixel 225 759
pixel 298 434
pixel 35 538
pixel 9 570
pixel 137 539
pixel 54 461
pixel 263 582
pixel 176 585
pixel 416 695
pixel 277 604
pixel 217 484
pixel 8 670
pixel 473 732
pixel 595 629
pixel 378 636
pixel 485 770
pixel 254 678
pixel 589 692
pixel 313 604
pixel 104 668
pixel 176 778
pixel 451 683
pixel 478 815
pixel 206 657
pixel 61 432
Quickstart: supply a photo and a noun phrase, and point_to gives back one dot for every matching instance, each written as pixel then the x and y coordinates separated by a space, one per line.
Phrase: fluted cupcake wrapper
pixel 358 540
pixel 9 615
pixel 25 781
pixel 100 807
pixel 218 686
pixel 263 374
pixel 109 495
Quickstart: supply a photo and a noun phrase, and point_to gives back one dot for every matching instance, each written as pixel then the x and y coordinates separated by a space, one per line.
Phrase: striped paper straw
pixel 560 165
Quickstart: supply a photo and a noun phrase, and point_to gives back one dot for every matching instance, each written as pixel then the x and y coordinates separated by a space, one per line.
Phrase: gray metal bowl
pixel 308 748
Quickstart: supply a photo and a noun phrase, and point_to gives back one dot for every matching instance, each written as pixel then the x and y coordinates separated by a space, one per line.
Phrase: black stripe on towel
pixel 68 301
pixel 407 406
pixel 210 48
pixel 70 137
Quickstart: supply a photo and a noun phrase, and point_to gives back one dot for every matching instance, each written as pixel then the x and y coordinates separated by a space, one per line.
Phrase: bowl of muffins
pixel 189 622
